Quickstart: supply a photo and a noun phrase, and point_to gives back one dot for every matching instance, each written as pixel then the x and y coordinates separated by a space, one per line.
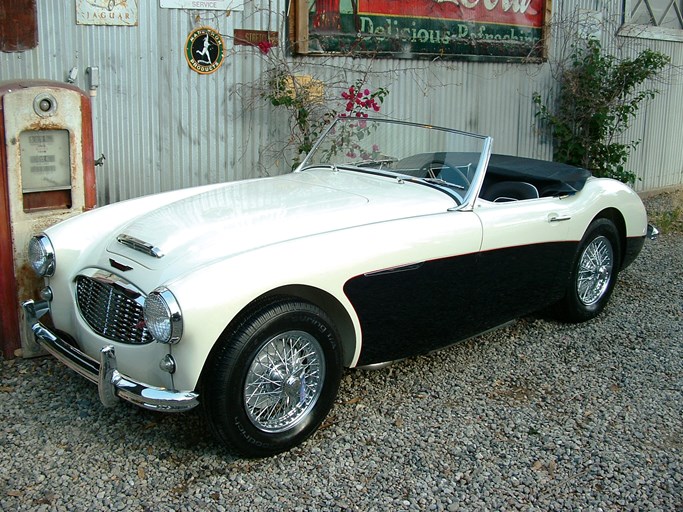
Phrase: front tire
pixel 273 379
pixel 594 273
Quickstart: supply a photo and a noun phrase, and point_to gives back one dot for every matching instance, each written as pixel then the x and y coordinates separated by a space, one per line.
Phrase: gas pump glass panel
pixel 45 169
pixel 390 240
pixel 45 160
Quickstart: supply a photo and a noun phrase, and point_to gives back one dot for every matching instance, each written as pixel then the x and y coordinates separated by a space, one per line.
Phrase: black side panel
pixel 429 306
pixel 413 311
pixel 520 280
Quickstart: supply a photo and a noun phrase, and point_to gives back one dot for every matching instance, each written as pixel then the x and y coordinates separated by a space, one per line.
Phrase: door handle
pixel 554 217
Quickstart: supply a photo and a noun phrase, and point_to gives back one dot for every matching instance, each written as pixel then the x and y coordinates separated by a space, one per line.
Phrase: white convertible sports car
pixel 390 239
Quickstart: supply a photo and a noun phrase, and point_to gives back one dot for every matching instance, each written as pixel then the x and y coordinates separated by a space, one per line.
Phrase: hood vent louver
pixel 139 245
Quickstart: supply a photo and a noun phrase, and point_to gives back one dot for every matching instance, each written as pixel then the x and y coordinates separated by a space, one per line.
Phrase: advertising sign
pixel 107 12
pixel 205 5
pixel 464 28
pixel 204 50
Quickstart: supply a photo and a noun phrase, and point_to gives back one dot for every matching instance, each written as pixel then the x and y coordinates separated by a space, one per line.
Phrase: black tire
pixel 255 403
pixel 594 273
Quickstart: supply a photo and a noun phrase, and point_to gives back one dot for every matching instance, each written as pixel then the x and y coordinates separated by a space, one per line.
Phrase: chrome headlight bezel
pixel 163 317
pixel 41 255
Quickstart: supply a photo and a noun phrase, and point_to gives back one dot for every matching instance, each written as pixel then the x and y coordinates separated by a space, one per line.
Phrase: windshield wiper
pixel 369 163
pixel 439 181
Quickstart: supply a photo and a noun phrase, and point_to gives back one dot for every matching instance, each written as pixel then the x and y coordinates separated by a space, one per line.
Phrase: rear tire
pixel 594 273
pixel 273 379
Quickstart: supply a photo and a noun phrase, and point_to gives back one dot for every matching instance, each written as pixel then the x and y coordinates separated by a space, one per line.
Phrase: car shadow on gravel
pixel 68 400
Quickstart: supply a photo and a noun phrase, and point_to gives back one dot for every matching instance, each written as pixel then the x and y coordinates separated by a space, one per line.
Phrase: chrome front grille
pixel 112 308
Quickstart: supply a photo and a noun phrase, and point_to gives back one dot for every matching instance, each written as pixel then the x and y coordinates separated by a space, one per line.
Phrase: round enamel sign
pixel 204 50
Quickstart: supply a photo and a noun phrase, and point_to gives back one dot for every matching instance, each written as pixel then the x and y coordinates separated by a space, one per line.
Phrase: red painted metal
pixel 18 25
pixel 9 320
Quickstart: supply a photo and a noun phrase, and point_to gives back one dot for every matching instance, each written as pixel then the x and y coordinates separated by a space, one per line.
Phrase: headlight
pixel 41 255
pixel 163 318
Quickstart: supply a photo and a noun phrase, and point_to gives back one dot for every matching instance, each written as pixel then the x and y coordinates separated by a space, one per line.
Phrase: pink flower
pixel 265 46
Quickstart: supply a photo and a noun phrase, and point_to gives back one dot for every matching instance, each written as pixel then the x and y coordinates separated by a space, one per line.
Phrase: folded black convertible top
pixel 553 177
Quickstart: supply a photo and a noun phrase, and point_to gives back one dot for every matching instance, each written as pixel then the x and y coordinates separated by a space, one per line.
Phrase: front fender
pixel 212 296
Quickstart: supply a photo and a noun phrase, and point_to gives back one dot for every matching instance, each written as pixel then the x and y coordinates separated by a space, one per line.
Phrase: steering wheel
pixel 455 175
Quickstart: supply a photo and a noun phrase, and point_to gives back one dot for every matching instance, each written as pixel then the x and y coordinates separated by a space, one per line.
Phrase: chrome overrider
pixel 111 384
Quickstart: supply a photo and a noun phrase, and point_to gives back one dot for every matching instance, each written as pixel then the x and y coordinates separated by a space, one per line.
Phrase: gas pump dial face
pixel 45 160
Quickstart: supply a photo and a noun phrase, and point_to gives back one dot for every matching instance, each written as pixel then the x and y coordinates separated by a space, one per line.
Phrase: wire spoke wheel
pixel 273 378
pixel 595 270
pixel 593 273
pixel 284 381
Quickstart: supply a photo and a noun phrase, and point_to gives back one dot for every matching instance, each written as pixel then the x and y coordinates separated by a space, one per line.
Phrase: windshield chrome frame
pixel 475 186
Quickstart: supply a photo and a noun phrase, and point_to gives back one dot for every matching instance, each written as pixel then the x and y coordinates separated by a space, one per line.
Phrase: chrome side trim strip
pixel 400 268
pixel 110 382
pixel 376 366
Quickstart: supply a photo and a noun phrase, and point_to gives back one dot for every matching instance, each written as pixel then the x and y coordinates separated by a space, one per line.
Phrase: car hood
pixel 233 218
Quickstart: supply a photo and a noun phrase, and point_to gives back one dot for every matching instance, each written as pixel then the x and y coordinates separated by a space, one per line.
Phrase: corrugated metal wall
pixel 162 126
pixel 658 159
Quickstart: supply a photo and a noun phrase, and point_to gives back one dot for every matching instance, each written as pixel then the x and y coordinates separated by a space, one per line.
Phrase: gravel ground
pixel 537 416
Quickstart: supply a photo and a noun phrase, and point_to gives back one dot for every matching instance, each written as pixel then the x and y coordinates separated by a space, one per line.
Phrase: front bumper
pixel 111 384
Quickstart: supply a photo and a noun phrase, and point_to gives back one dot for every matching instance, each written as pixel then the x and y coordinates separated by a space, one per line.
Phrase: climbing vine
pixel 310 113
pixel 599 96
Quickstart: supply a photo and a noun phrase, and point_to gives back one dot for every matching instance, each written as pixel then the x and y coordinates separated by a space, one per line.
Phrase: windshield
pixel 439 157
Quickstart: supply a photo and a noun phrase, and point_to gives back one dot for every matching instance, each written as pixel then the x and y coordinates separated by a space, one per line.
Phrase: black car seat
pixel 504 191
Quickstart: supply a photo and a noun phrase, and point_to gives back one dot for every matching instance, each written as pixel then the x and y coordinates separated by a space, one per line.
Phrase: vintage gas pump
pixel 46 175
